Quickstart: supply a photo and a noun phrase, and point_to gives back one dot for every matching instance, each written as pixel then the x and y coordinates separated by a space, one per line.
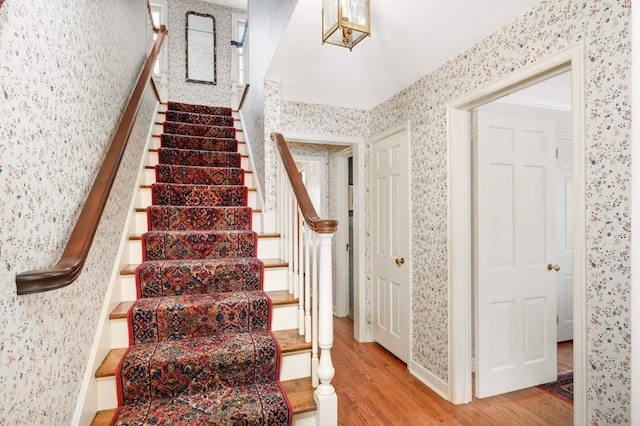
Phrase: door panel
pixel 514 243
pixel 390 216
pixel 564 239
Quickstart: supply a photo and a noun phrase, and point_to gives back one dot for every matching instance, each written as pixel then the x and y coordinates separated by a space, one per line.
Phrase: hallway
pixel 375 388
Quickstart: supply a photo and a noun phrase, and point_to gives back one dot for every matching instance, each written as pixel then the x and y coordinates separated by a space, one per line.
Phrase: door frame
pixel 460 218
pixel 341 307
pixel 359 236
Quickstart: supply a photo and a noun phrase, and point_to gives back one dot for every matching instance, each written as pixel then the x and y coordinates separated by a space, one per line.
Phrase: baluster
pixel 296 244
pixel 307 284
pixel 314 311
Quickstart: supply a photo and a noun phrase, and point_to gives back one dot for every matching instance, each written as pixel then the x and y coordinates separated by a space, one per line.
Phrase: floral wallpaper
pixel 198 93
pixel 63 85
pixel 604 25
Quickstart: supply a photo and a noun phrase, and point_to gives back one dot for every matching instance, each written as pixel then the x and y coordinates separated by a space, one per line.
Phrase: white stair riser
pixel 107 393
pixel 119 333
pixel 269 248
pixel 294 365
pixel 275 279
pixel 305 419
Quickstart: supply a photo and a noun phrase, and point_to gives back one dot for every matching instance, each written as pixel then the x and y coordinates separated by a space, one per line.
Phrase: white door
pixel 564 238
pixel 390 235
pixel 515 244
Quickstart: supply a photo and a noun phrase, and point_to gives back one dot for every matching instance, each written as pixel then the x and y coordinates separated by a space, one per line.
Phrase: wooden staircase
pixel 296 353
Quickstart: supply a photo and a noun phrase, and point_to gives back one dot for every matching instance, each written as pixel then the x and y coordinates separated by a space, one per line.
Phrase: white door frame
pixel 460 216
pixel 359 276
pixel 341 307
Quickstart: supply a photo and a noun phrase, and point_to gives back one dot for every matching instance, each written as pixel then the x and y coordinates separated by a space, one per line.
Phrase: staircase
pixel 202 288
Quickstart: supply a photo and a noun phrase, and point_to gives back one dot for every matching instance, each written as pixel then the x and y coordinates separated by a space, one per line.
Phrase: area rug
pixel 561 388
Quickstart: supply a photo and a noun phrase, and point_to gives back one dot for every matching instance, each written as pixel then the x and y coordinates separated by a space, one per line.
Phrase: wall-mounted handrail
pixel 244 97
pixel 153 24
pixel 75 253
pixel 321 226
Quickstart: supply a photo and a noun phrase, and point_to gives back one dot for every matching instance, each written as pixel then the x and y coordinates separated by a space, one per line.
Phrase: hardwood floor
pixel 375 388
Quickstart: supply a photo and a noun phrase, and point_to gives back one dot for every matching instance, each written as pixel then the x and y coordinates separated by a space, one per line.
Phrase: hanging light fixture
pixel 345 22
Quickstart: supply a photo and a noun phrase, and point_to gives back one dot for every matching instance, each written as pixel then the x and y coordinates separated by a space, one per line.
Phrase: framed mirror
pixel 200 48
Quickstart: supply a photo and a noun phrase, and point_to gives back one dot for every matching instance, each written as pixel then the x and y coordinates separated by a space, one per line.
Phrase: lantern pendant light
pixel 345 22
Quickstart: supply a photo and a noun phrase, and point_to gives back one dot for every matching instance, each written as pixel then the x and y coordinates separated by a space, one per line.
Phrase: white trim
pixel 432 381
pixel 341 308
pixel 359 237
pixel 534 102
pixel 459 175
pixel 635 220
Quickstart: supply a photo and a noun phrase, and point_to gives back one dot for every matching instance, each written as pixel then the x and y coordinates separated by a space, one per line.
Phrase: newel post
pixel 325 395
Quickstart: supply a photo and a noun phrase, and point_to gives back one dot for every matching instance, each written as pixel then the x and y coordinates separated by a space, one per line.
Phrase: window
pixel 239 65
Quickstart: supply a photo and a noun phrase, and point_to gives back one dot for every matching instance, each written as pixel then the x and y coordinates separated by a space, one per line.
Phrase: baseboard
pixel 432 381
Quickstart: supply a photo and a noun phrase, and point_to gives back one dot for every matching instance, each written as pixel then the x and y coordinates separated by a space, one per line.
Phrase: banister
pixel 315 223
pixel 75 253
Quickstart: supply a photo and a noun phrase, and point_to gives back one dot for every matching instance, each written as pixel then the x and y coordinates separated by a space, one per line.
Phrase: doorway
pixel 460 224
pixel 522 184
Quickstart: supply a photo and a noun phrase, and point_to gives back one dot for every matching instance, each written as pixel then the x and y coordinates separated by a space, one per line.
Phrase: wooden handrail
pixel 321 226
pixel 244 97
pixel 153 25
pixel 75 253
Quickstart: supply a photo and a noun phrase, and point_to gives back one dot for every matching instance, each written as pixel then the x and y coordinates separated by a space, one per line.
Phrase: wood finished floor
pixel 375 388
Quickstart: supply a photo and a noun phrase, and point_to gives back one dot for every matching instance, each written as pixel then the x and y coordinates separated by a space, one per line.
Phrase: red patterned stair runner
pixel 201 347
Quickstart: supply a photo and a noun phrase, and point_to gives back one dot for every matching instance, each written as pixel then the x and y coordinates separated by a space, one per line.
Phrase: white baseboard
pixel 434 383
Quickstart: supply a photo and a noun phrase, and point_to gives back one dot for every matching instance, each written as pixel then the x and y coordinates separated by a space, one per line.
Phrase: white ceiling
pixel 409 39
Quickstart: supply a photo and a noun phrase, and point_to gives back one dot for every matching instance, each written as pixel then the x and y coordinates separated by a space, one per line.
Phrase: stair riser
pixel 297 364
pixel 149 178
pixel 139 225
pixel 268 248
pixel 284 318
pixel 144 198
pixel 242 147
pixel 152 160
pixel 275 279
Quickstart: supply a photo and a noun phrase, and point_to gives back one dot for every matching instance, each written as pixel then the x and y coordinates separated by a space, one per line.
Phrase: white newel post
pixel 325 395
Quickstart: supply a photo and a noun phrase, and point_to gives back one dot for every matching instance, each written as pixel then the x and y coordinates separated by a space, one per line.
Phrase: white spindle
pixel 314 311
pixel 307 284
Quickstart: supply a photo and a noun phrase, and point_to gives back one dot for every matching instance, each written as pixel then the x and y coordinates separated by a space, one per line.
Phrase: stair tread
pixel 268 263
pixel 289 341
pixel 300 394
pixel 110 363
pixel 279 298
pixel 299 391
pixel 282 297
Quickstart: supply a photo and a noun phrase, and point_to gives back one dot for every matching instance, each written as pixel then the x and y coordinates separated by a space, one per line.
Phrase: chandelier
pixel 345 22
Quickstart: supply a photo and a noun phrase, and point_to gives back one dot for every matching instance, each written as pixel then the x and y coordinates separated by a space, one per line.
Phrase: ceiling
pixel 409 40
pixel 237 4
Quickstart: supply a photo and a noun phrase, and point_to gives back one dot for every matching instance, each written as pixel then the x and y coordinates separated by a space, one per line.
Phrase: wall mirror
pixel 200 43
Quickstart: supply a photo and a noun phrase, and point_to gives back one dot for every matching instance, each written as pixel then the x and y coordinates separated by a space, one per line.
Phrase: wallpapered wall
pixel 66 72
pixel 267 21
pixel 604 25
pixel 197 93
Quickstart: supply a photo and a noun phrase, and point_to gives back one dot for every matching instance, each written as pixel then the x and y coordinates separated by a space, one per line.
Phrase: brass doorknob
pixel 399 261
pixel 553 267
